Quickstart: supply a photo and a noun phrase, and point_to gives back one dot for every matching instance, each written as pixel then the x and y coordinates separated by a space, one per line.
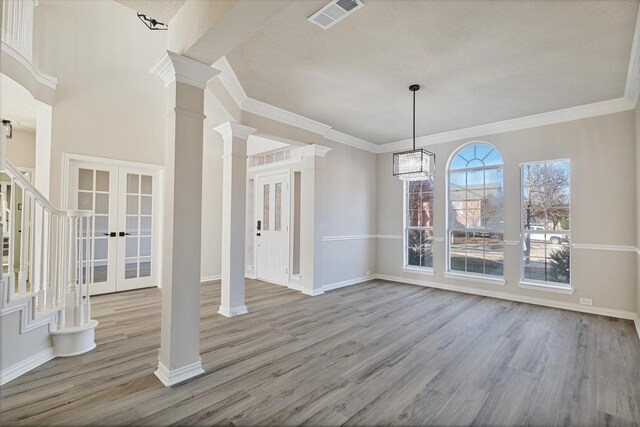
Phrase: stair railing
pixel 50 256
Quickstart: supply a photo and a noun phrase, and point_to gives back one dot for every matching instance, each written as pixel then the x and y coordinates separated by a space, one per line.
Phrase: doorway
pixel 272 228
pixel 125 223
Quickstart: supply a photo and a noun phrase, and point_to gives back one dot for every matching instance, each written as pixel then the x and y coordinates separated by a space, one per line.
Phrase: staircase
pixel 45 308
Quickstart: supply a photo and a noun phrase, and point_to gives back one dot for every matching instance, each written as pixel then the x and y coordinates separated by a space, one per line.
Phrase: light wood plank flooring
pixel 372 353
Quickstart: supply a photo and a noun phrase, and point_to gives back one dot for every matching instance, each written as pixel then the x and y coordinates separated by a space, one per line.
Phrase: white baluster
pixel 24 240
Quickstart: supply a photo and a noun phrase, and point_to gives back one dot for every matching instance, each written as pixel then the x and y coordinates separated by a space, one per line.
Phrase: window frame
pixel 465 275
pixel 405 232
pixel 544 285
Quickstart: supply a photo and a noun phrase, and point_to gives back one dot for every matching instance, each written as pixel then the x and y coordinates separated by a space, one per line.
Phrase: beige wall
pixel 21 149
pixel 602 153
pixel 107 103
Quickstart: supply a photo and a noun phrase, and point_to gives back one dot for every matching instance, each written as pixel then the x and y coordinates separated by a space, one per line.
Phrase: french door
pixel 122 236
pixel 272 228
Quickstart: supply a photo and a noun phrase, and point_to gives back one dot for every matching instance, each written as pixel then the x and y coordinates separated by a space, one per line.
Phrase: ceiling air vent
pixel 333 12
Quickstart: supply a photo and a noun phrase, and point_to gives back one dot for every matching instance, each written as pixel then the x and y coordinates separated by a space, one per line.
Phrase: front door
pixel 122 199
pixel 272 228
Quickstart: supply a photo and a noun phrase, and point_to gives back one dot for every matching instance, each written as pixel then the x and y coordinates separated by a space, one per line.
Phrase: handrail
pixel 50 253
pixel 25 183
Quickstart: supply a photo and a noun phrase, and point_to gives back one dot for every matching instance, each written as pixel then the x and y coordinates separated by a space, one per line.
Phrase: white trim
pixel 172 67
pixel 546 288
pixel 25 365
pixel 230 81
pixel 526 122
pixel 475 279
pixel 637 323
pixel 361 237
pixel 49 81
pixel 598 247
pixel 204 279
pixel 349 282
pixel 353 237
pixel 632 86
pixel 312 150
pixel 389 236
pixel 230 130
pixel 352 141
pixel 313 293
pixel 272 112
pixel 427 271
pixel 231 312
pixel 637 250
pixel 169 378
pixel 621 314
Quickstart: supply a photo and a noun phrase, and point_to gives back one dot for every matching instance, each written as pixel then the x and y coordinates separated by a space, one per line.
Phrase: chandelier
pixel 414 165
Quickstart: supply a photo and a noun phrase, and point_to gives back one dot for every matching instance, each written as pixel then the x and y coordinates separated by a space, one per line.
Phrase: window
pixel 475 221
pixel 419 223
pixel 546 239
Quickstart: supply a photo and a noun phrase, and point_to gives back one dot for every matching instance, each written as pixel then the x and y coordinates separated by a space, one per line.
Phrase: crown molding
pixel 269 111
pixel 632 86
pixel 526 122
pixel 313 150
pixel 230 81
pixel 171 67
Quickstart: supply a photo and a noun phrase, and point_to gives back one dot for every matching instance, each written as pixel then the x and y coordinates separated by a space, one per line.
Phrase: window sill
pixel 418 270
pixel 546 288
pixel 477 279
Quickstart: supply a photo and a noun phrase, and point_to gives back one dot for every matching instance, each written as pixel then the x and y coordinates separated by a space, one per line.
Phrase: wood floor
pixel 373 353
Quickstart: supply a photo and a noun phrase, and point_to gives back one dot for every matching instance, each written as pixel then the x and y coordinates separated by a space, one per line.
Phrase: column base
pixel 74 340
pixel 235 311
pixel 169 378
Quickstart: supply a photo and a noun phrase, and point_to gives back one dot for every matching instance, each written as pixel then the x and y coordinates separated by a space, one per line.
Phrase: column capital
pixel 234 130
pixel 313 150
pixel 171 67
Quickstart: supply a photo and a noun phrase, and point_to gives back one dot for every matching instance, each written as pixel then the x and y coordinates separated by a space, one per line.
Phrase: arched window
pixel 475 220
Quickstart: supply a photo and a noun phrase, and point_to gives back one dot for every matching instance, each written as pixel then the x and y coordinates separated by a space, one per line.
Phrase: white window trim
pixel 545 287
pixel 405 262
pixel 563 288
pixel 486 279
pixel 427 271
pixel 453 274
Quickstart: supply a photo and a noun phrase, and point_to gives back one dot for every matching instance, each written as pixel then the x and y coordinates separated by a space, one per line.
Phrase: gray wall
pixel 348 208
pixel 603 202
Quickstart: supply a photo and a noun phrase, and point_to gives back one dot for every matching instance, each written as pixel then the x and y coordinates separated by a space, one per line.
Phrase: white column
pixel 180 335
pixel 234 193
pixel 310 231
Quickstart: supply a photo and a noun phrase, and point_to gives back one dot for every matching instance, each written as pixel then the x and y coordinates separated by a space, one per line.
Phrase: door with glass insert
pixel 122 236
pixel 272 228
pixel 95 187
pixel 135 245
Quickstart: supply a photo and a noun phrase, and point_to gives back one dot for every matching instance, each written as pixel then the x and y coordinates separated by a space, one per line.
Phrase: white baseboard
pixel 637 322
pixel 204 279
pixel 349 282
pixel 24 366
pixel 313 293
pixel 621 314
pixel 169 378
pixel 235 311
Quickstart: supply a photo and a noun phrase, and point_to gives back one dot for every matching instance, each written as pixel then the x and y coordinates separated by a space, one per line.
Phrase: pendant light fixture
pixel 414 165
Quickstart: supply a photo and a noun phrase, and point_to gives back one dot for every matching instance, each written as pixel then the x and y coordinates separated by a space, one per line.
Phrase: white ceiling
pixel 477 62
pixel 162 10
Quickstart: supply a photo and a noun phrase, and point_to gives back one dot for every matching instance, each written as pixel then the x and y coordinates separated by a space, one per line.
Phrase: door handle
pixel 122 234
pixel 258 234
pixel 112 234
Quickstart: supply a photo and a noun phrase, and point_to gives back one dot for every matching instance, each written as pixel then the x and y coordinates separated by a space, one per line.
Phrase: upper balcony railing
pixel 17 25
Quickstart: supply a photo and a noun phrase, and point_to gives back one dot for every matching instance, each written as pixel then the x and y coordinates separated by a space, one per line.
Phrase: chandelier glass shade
pixel 417 164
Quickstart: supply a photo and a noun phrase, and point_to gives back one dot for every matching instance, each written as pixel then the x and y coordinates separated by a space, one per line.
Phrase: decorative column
pixel 310 229
pixel 234 204
pixel 185 81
